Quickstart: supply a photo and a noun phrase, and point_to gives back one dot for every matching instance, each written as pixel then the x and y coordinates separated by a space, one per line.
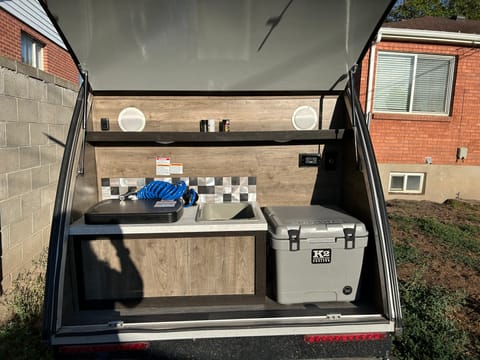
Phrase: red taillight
pixel 76 349
pixel 311 339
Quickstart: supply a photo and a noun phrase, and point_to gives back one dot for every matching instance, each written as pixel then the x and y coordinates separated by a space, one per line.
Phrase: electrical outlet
pixel 309 160
pixel 330 160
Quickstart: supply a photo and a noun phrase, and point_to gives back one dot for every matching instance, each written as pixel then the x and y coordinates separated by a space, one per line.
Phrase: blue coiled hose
pixel 166 191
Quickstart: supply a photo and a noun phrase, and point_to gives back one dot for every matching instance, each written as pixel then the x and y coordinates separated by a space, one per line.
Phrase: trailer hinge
pixel 115 324
pixel 334 316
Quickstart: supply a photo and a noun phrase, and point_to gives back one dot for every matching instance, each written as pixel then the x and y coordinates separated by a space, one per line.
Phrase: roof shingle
pixel 438 24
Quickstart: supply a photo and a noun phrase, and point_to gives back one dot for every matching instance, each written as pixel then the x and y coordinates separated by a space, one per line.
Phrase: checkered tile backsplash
pixel 210 189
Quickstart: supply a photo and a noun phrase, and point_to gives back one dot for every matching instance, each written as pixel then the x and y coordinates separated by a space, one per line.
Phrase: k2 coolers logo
pixel 321 256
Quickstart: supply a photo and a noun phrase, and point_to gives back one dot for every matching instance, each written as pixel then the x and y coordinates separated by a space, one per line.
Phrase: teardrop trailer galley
pixel 285 251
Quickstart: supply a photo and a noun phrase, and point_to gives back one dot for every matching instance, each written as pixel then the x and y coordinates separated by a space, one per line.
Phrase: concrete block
pixel 62 82
pixel 46 236
pixel 47 194
pixel 60 151
pixel 2 84
pixel 21 230
pixel 40 176
pixel 8 63
pixel 27 70
pixel 48 154
pixel 19 182
pixel 41 218
pixel 30 202
pixel 37 90
pixel 68 98
pixel 54 94
pixel 46 113
pixel 10 160
pixel 18 134
pixel 11 263
pixel 15 84
pixel 63 115
pixel 3 187
pixel 54 172
pixel 32 247
pixel 49 78
pixel 8 104
pixel 3 134
pixel 29 157
pixel 5 231
pixel 11 210
pixel 27 110
pixel 38 134
pixel 58 132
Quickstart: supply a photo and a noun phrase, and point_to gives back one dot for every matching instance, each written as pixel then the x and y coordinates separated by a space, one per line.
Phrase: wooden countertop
pixel 186 225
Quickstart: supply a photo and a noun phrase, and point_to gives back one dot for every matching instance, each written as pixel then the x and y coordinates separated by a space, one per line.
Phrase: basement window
pixel 32 51
pixel 413 83
pixel 406 183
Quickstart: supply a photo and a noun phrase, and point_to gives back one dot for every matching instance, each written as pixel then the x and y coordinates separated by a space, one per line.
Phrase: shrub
pixel 20 337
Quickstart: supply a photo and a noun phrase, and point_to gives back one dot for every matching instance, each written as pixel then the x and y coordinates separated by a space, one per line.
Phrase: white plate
pixel 131 119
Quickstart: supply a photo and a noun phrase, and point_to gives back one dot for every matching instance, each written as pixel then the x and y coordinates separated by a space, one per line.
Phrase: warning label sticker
pixel 321 256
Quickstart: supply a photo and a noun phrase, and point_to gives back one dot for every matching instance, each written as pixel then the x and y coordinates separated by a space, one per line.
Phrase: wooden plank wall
pixel 185 113
pixel 279 179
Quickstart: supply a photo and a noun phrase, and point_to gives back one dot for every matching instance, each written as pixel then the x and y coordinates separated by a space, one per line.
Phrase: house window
pixel 413 83
pixel 407 183
pixel 32 51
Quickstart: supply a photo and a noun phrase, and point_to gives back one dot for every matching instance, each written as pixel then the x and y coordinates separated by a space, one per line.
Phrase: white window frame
pixel 415 57
pixel 36 51
pixel 404 189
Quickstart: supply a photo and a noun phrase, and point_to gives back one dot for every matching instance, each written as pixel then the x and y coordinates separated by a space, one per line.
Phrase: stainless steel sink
pixel 225 211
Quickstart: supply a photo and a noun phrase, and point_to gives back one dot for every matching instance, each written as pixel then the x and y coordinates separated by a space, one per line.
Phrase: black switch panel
pixel 104 124
pixel 314 160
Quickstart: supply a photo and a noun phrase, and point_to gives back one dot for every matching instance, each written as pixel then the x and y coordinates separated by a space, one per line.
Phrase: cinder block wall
pixel 33 106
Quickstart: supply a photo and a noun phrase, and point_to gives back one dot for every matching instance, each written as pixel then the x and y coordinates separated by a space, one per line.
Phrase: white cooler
pixel 318 253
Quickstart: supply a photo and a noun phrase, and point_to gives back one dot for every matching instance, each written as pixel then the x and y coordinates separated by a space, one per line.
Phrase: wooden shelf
pixel 237 138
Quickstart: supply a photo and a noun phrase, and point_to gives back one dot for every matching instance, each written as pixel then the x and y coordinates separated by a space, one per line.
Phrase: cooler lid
pixel 217 45
pixel 314 221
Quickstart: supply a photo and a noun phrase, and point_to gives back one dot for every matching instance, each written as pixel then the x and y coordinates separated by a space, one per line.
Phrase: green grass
pixel 460 240
pixel 430 328
pixel 406 253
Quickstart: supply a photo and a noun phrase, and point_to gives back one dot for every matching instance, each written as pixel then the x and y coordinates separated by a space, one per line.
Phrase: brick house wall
pixel 56 60
pixel 406 138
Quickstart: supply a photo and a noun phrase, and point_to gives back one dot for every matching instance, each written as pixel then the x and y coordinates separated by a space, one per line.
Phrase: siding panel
pixel 32 14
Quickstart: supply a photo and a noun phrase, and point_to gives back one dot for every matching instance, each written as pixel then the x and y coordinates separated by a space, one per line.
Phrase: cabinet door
pixel 116 268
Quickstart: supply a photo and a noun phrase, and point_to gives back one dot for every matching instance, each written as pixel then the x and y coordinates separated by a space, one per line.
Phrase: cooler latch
pixel 350 237
pixel 294 239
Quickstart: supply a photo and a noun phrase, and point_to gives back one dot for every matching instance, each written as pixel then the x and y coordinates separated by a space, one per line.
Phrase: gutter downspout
pixel 371 68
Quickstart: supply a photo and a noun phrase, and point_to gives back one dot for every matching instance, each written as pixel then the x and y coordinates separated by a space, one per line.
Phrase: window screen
pixel 413 83
pixel 32 51
pixel 406 183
